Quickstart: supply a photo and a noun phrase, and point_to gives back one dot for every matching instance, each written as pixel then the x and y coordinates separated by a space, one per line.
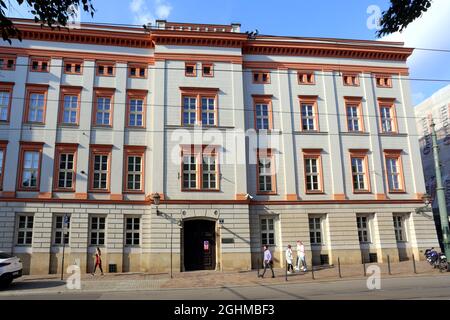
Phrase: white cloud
pixel 143 14
pixel 163 11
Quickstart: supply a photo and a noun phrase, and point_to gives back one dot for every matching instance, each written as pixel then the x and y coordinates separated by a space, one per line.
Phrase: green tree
pixel 53 13
pixel 400 14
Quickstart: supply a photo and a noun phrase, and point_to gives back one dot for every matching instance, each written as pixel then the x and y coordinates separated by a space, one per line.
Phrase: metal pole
pixel 414 264
pixel 364 266
pixel 312 272
pixel 389 265
pixel 286 270
pixel 171 243
pixel 339 268
pixel 259 261
pixel 62 262
pixel 440 194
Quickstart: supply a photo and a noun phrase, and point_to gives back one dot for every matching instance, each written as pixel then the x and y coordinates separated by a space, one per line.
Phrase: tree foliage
pixel 53 13
pixel 400 14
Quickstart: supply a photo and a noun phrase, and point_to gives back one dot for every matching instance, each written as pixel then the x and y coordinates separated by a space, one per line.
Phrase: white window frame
pixel 360 176
pixel 314 230
pixel 209 168
pixel 387 119
pixel 26 229
pixel 266 173
pixel 97 230
pixel 33 169
pixel 353 118
pixel 262 111
pixel 66 171
pixel 5 97
pixel 362 219
pixel 192 170
pixel 36 107
pixel 206 112
pixel 133 231
pixel 308 116
pixel 102 174
pixel 400 229
pixel 134 114
pixel 136 175
pixel 189 110
pixel 70 108
pixel 58 227
pixel 394 177
pixel 310 175
pixel 268 231
pixel 102 103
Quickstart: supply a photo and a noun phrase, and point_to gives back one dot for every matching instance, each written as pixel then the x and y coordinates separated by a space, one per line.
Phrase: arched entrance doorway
pixel 199 245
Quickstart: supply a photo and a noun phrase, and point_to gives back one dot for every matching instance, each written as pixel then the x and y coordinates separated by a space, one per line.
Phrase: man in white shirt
pixel 301 258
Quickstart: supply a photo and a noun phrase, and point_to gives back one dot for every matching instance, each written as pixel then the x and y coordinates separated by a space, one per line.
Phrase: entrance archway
pixel 199 245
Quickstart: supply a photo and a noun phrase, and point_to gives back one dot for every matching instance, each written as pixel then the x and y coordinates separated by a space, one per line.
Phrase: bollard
pixel 339 268
pixel 286 271
pixel 259 261
pixel 389 265
pixel 312 272
pixel 414 264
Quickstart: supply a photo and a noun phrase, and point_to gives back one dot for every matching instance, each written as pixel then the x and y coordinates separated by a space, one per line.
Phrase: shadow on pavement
pixel 32 285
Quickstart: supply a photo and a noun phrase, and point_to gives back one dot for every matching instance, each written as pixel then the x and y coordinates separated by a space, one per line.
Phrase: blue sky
pixel 326 18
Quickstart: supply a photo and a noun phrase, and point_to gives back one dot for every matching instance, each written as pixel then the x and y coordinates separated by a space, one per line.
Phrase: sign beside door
pixel 206 245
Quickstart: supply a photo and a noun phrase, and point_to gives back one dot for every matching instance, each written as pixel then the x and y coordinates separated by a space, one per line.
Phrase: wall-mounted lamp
pixel 156 198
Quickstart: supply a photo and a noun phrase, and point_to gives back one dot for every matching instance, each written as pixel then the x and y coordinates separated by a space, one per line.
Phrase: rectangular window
pixel 266 171
pixel 100 168
pixel 353 109
pixel 268 231
pixel 73 66
pixel 309 117
pixel 199 107
pixel 263 113
pixel 5 101
pixel 65 167
pixel 208 113
pixel 30 165
pixel 2 162
pixel 362 224
pixel 388 117
pixel 103 107
pixel 70 105
pixel 7 63
pixel 190 69
pixel 25 229
pixel 313 170
pixel 200 169
pixel 315 230
pixel 399 227
pixel 61 229
pixel 350 79
pixel 134 164
pixel 207 70
pixel 136 108
pixel 40 65
pixel 106 69
pixel 360 175
pixel 306 77
pixel 394 171
pixel 383 81
pixel 189 110
pixel 261 77
pixel 97 230
pixel 137 71
pixel 132 232
pixel 36 104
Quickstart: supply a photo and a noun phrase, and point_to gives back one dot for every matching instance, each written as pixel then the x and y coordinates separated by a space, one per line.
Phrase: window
pixel 360 177
pixel 36 104
pixel 309 115
pixel 61 229
pixel 98 227
pixel 363 228
pixel 30 164
pixel 399 227
pixel 40 65
pixel 190 69
pixel 136 108
pixel 70 105
pixel 5 100
pixel 132 233
pixel 268 231
pixel 24 229
pixel 2 161
pixel 199 107
pixel 353 109
pixel 73 66
pixel 65 171
pixel 387 116
pixel 100 168
pixel 350 79
pixel 263 112
pixel 134 164
pixel 137 71
pixel 207 70
pixel 315 230
pixel 306 77
pixel 105 69
pixel 261 76
pixel 103 107
pixel 200 169
pixel 266 172
pixel 383 81
pixel 7 63
pixel 394 170
pixel 313 170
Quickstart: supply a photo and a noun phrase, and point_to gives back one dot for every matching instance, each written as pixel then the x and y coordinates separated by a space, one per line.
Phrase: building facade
pixel 436 107
pixel 246 140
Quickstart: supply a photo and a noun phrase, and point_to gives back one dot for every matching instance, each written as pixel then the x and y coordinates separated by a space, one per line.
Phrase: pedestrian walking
pixel 301 258
pixel 289 259
pixel 267 261
pixel 98 261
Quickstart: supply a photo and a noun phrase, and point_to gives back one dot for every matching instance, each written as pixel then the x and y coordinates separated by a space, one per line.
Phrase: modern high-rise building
pixel 198 144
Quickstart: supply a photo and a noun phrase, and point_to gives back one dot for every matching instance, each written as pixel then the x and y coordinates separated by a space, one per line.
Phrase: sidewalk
pixel 205 279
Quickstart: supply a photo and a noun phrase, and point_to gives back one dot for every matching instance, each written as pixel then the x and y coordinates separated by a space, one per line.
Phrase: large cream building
pixel 247 140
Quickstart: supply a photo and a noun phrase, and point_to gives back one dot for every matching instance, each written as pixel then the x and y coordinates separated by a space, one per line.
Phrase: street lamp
pixel 156 199
pixel 66 221
pixel 426 198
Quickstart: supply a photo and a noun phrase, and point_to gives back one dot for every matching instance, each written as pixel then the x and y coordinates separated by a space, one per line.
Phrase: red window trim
pixel 5 59
pixel 350 74
pixel 9 87
pixel 190 64
pixel 29 146
pixel 358 101
pixel 394 154
pixel 260 78
pixel 301 77
pixel 269 153
pixel 99 149
pixel 105 64
pixel 133 151
pixel 386 77
pixel 199 93
pixel 199 151
pixel 136 94
pixel 313 154
pixel 265 99
pixel 73 62
pixel 208 64
pixel 59 149
pixel 390 102
pixel 69 90
pixel 39 89
pixel 40 60
pixel 361 154
pixel 138 66
pixel 310 99
pixel 103 93
pixel 3 147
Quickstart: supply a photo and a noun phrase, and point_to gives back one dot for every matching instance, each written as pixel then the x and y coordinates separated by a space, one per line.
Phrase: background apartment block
pixel 96 120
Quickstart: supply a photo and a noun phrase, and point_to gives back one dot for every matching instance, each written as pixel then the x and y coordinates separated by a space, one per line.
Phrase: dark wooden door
pixel 199 245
